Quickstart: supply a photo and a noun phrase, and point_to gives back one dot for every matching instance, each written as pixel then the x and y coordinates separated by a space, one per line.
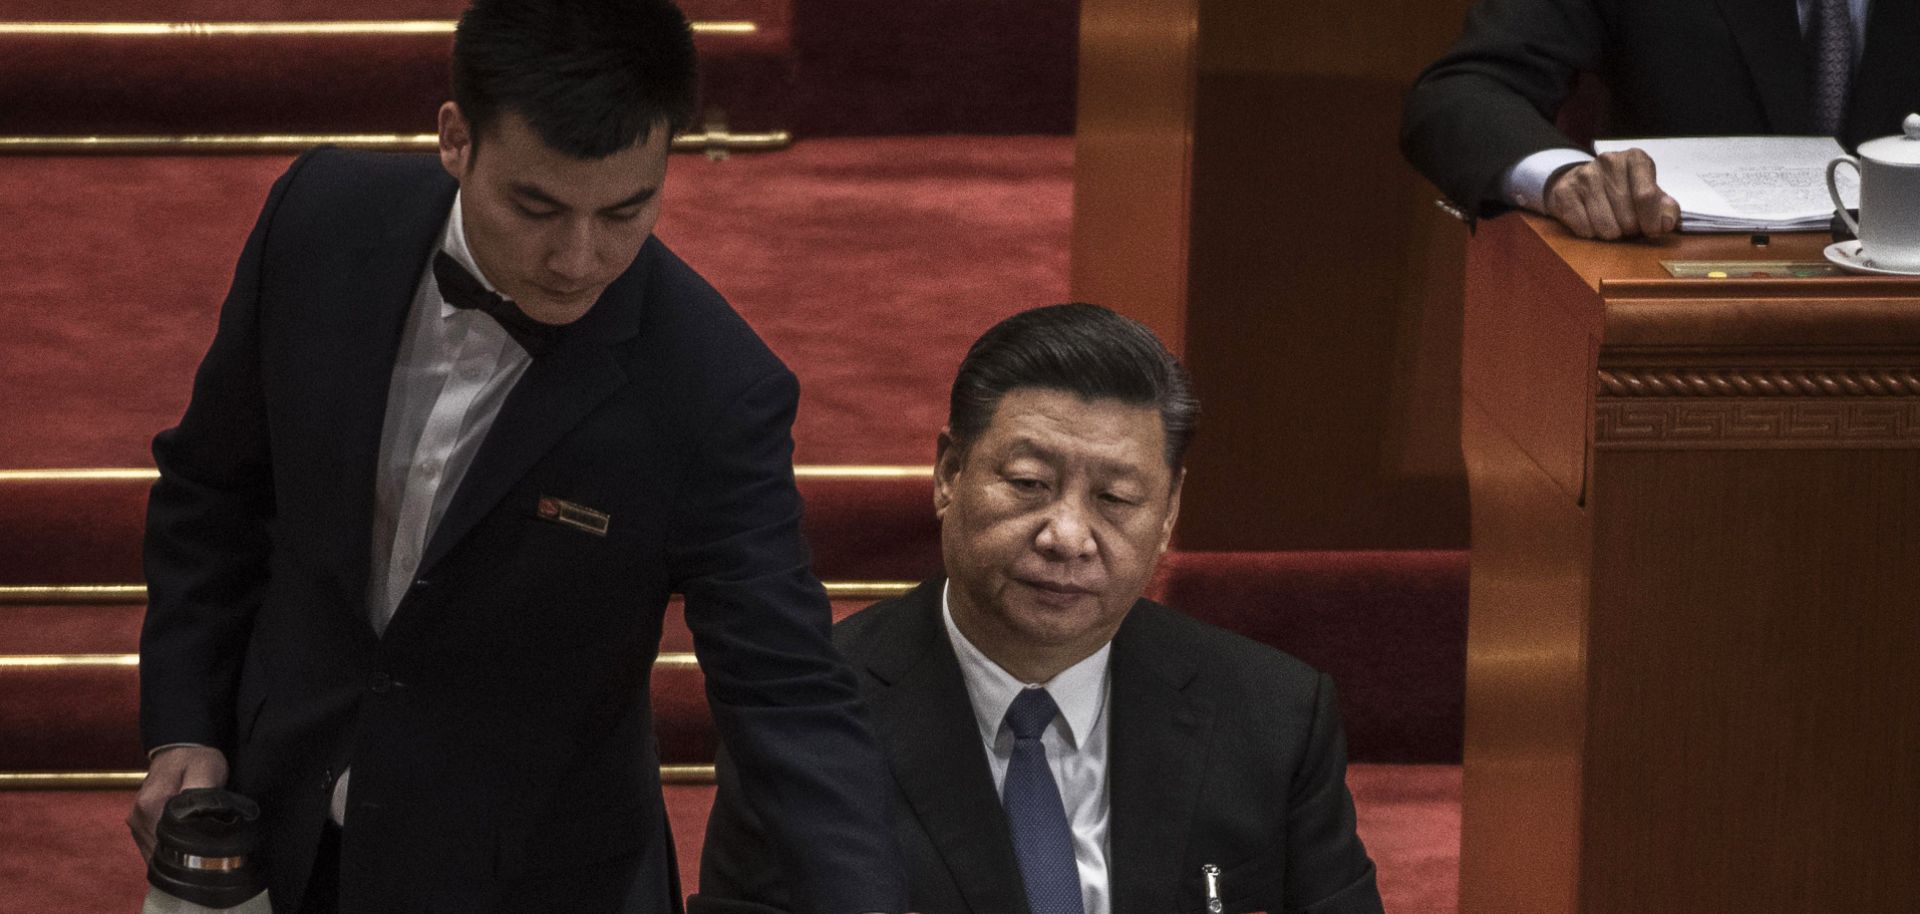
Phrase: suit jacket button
pixel 380 683
pixel 326 781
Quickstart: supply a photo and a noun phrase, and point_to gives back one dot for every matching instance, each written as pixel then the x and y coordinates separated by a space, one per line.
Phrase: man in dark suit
pixel 464 427
pixel 1479 122
pixel 1059 745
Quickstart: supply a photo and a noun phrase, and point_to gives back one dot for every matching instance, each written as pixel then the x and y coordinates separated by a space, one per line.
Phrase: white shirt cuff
pixel 159 749
pixel 1525 184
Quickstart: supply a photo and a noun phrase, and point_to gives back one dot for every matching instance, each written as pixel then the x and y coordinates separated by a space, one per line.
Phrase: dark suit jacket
pixel 1671 67
pixel 1221 751
pixel 499 732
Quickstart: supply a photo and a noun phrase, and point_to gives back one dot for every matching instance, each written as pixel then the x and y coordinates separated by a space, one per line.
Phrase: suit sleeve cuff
pixel 1525 184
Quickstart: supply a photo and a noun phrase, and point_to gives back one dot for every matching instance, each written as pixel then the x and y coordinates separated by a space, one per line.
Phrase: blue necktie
pixel 1041 838
pixel 1830 41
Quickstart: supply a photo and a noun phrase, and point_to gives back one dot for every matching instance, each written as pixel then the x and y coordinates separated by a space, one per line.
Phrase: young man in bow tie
pixel 1059 745
pixel 464 428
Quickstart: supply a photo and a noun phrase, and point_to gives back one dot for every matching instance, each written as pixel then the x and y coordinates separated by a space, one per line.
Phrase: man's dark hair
pixel 592 77
pixel 1080 349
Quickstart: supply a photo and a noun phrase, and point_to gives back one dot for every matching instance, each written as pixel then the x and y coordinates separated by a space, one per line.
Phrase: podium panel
pixel 1694 640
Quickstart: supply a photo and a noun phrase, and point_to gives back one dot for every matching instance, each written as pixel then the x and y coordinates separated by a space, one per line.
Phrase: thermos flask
pixel 205 858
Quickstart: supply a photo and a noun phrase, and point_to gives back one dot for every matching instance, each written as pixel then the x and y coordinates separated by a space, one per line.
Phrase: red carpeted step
pixel 71 716
pixel 79 628
pixel 63 531
pixel 317 81
pixel 68 678
pixel 80 712
pixel 114 628
pixel 935 66
pixel 864 524
pixel 1390 628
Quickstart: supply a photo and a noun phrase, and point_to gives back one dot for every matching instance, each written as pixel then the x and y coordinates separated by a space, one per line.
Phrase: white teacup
pixel 1889 223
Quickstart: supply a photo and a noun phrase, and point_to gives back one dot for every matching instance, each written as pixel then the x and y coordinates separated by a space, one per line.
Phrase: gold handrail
pixel 129 780
pixel 862 471
pixel 55 661
pixel 863 590
pixel 72 593
pixel 263 143
pixel 318 27
pixel 62 474
pixel 668 660
pixel 148 474
pixel 71 780
pixel 63 594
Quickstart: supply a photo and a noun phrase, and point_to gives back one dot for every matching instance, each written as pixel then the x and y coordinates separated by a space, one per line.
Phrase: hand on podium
pixel 172 770
pixel 1612 197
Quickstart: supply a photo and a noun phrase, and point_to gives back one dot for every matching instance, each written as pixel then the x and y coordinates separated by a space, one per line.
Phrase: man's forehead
pixel 1112 436
pixel 1043 412
pixel 530 167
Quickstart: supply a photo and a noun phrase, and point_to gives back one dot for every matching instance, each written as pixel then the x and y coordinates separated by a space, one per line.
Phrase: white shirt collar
pixel 453 240
pixel 1079 690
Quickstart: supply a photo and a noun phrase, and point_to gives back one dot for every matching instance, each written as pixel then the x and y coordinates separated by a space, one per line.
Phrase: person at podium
pixel 1479 122
pixel 1057 744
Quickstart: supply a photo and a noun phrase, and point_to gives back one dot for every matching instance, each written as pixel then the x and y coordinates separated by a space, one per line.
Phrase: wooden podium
pixel 1693 672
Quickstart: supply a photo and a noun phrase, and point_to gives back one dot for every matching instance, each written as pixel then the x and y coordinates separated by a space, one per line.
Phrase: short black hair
pixel 592 77
pixel 1080 349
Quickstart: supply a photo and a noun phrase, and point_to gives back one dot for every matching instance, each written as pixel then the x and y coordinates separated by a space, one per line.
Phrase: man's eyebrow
pixel 536 195
pixel 1110 469
pixel 1027 447
pixel 638 198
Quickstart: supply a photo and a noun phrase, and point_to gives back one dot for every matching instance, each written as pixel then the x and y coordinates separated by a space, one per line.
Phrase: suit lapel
pixel 1768 32
pixel 1157 749
pixel 380 283
pixel 925 720
pixel 559 389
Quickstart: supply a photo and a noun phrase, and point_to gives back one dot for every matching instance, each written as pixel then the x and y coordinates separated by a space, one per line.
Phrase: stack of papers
pixel 1748 183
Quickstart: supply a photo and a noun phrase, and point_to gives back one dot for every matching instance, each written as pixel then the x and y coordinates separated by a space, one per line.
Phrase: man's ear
pixel 946 469
pixel 456 140
pixel 1173 511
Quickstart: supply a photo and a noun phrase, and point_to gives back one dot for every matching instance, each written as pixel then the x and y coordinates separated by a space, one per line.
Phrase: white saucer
pixel 1846 255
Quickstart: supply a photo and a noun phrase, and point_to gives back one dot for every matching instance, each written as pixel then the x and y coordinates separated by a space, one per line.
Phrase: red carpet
pixel 114 268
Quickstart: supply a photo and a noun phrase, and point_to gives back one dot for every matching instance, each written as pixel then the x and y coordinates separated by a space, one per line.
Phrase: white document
pixel 1747 183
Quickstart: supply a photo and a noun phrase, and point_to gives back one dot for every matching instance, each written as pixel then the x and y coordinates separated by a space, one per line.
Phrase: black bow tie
pixel 462 290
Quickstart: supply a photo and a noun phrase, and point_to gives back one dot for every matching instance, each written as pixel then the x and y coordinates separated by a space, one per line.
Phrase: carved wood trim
pixel 1759 382
pixel 1696 422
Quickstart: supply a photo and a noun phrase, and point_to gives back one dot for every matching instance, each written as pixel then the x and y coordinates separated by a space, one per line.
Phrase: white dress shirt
pixel 1525 184
pixel 454 370
pixel 1076 744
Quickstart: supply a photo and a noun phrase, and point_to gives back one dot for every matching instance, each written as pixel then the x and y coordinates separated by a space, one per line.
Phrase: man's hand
pixel 171 771
pixel 1612 197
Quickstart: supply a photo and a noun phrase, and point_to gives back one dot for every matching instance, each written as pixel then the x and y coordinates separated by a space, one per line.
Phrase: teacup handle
pixel 1834 190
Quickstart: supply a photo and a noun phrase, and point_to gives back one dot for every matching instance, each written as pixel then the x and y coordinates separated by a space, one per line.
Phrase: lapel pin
pixel 568 514
pixel 1211 874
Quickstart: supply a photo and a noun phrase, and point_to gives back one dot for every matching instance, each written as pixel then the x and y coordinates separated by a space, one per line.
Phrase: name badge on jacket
pixel 569 514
